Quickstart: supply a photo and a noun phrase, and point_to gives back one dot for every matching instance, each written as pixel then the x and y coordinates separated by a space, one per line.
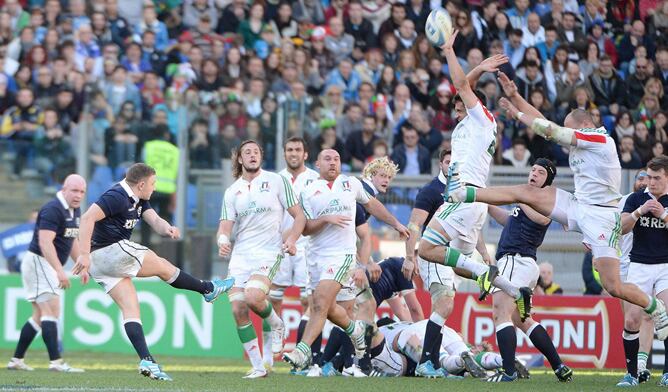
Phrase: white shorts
pixel 624 268
pixel 293 271
pixel 40 280
pixel 601 227
pixel 109 265
pixel 650 278
pixel 462 222
pixel 520 270
pixel 334 267
pixel 390 361
pixel 243 266
pixel 432 273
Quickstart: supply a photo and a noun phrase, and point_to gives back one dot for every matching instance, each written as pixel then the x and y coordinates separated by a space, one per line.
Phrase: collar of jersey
pixel 369 183
pixel 63 202
pixel 442 178
pixel 129 191
pixel 651 195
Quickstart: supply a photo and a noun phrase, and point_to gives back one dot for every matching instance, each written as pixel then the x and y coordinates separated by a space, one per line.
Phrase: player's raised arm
pixel 490 64
pixel 545 128
pixel 457 74
pixel 88 220
pixel 499 214
pixel 510 90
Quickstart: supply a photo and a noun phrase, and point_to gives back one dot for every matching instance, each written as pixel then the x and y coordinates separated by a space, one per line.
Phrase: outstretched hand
pixel 506 105
pixel 508 86
pixel 493 63
pixel 450 42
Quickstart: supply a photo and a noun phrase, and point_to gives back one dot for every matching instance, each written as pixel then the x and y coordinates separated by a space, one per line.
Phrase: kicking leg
pixel 540 199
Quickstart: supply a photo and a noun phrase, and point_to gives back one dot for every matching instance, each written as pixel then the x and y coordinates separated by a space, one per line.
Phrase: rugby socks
pixel 50 336
pixel 541 340
pixel 642 361
pixel 506 339
pixel 267 353
pixel 270 316
pixel 665 361
pixel 28 332
pixel 347 352
pixel 436 349
pixel 249 340
pixel 631 346
pixel 432 336
pixel 185 281
pixel 316 346
pixel 334 344
pixel 488 360
pixel 135 332
pixel 455 259
pixel 301 328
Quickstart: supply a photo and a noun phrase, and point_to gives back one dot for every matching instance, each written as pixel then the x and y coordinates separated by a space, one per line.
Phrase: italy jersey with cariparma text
pixel 596 170
pixel 322 198
pixel 122 211
pixel 257 209
pixel 298 185
pixel 473 145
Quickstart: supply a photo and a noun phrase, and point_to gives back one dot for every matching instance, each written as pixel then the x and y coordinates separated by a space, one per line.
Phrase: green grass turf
pixel 118 372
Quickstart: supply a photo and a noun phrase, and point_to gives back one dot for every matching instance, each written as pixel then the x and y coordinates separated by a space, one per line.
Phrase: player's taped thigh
pixel 433 237
pixel 237 296
pixel 277 293
pixel 437 290
pixel 257 284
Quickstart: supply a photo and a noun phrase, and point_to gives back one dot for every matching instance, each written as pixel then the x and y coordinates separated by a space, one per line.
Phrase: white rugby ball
pixel 438 27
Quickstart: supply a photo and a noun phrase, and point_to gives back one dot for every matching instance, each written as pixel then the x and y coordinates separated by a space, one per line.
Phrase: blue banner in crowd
pixel 16 240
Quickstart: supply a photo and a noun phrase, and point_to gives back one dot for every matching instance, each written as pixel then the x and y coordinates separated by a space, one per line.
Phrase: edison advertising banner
pixel 585 330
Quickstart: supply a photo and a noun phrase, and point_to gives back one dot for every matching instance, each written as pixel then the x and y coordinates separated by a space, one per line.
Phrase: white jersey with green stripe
pixel 322 198
pixel 473 145
pixel 257 209
pixel 299 183
pixel 596 170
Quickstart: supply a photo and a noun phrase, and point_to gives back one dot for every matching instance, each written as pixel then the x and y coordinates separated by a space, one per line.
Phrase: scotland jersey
pixel 520 235
pixel 391 280
pixel 58 217
pixel 122 211
pixel 649 233
pixel 430 197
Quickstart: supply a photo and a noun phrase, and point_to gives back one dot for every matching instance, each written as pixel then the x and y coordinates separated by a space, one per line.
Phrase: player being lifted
pixel 456 227
pixel 646 214
pixel 53 241
pixel 591 210
pixel 329 206
pixel 255 205
pixel 113 260
pixel 293 270
pixel 523 232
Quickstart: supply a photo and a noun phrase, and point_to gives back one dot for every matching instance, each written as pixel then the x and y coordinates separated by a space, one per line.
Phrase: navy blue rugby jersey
pixel 57 216
pixel 391 280
pixel 520 235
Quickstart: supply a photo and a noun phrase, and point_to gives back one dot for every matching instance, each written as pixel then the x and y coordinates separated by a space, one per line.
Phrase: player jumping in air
pixel 255 206
pixel 113 260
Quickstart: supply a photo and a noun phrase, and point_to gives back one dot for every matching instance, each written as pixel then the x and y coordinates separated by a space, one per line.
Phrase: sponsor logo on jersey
pixel 308 182
pixel 265 186
pixel 601 237
pixel 652 222
pixel 71 232
pixel 334 203
pixel 346 186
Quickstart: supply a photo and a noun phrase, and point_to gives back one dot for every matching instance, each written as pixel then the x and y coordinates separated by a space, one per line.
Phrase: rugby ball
pixel 438 27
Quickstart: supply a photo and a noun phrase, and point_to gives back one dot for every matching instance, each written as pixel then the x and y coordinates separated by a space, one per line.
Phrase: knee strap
pixel 438 290
pixel 238 296
pixel 434 237
pixel 277 293
pixel 256 284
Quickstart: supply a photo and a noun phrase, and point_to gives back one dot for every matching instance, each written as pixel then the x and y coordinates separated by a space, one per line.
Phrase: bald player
pixel 53 242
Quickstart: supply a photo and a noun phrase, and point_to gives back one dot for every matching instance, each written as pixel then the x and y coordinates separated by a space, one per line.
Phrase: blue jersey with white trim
pixel 55 216
pixel 430 197
pixel 361 214
pixel 122 211
pixel 520 235
pixel 650 237
pixel 391 280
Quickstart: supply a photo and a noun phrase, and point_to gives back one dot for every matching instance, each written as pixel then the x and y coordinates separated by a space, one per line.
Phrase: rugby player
pixel 113 260
pixel 54 240
pixel 523 232
pixel 457 226
pixel 293 269
pixel 591 210
pixel 646 213
pixel 329 204
pixel 255 205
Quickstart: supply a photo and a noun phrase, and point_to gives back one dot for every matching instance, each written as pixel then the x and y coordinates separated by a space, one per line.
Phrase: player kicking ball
pixel 255 205
pixel 112 260
pixel 53 241
pixel 329 206
pixel 591 210
pixel 523 232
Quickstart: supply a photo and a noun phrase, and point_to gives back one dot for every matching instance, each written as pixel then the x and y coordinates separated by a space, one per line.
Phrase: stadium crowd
pixel 358 76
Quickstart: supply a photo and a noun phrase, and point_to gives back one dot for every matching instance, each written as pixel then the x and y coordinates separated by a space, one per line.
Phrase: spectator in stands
pixel 571 35
pixel 529 78
pixel 120 144
pixel 309 10
pixel 18 17
pixel 483 22
pixel 518 155
pixel 643 142
pixel 150 21
pixel 628 157
pixel 566 86
pixel 20 124
pixel 360 29
pixel 411 157
pixel 200 147
pixel 660 121
pixel 592 14
pixel 647 109
pixel 326 140
pixel 590 61
pixel 606 87
pixel 120 90
pixel 581 99
pixel 194 10
pixel 519 14
pixel 538 99
pixel 418 11
pixel 430 137
pixel 229 141
pixel 398 15
pixel 346 77
pixel 232 16
pixel 636 82
pixel 466 39
pixel 234 115
pixel 360 144
pixel 54 158
pixel 338 42
pixel 545 280
pixel 399 107
pixel 604 42
pixel 654 87
pixel 533 33
pixel 514 48
pixel 635 37
pixel 351 122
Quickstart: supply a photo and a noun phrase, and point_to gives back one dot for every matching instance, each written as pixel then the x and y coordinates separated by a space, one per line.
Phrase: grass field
pixel 115 372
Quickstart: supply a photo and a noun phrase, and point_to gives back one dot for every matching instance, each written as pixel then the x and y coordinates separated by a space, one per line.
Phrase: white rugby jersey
pixel 626 242
pixel 473 145
pixel 257 209
pixel 298 184
pixel 390 331
pixel 321 198
pixel 596 170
